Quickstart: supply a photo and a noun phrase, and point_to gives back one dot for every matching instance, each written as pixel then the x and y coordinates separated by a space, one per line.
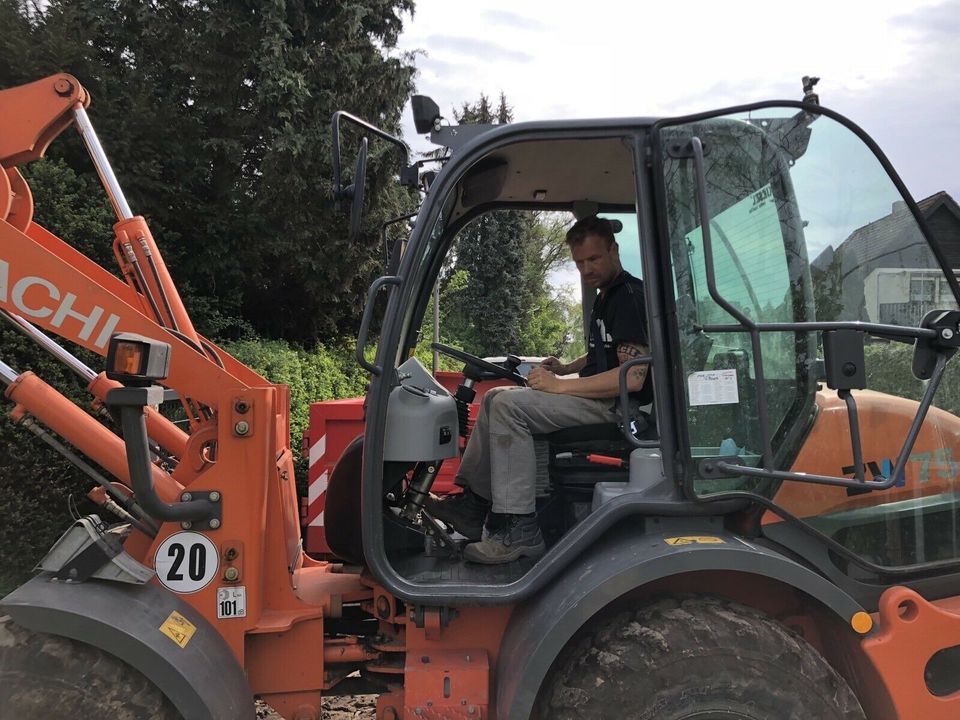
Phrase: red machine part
pixel 911 631
pixel 333 425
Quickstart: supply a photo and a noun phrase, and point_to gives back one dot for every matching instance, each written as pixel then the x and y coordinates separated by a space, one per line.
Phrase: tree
pixel 216 116
pixel 496 295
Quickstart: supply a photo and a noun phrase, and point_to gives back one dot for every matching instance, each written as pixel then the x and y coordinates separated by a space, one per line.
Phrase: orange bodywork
pixel 884 420
pixel 910 632
pixel 280 640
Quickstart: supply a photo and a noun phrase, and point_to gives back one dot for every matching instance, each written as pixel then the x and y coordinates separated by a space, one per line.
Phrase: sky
pixel 893 67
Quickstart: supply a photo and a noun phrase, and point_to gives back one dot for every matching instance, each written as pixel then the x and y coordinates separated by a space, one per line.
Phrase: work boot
pixel 516 537
pixel 464 512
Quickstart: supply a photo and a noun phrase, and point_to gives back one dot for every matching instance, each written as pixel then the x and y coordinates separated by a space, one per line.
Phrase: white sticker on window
pixel 231 602
pixel 713 387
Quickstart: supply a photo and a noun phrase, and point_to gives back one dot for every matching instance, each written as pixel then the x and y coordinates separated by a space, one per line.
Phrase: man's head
pixel 595 251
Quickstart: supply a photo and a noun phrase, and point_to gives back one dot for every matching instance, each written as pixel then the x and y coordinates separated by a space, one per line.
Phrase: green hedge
pixel 889 370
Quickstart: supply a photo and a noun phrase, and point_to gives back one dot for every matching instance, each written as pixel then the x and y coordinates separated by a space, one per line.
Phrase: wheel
pixel 47 676
pixel 693 658
pixel 479 364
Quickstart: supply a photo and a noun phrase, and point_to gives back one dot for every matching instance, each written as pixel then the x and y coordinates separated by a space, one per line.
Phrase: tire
pixel 693 658
pixel 48 676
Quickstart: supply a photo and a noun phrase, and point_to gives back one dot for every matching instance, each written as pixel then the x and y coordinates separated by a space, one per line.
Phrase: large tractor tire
pixel 47 676
pixel 693 658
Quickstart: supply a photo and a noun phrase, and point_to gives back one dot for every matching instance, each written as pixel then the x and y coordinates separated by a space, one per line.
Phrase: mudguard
pixel 621 562
pixel 202 678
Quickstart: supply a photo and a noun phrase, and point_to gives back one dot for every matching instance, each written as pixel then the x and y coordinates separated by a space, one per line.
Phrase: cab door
pixel 809 231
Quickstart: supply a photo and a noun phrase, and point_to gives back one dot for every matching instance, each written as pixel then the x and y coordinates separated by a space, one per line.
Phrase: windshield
pixel 806 226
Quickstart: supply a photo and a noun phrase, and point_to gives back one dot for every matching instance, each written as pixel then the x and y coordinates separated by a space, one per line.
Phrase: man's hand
pixel 540 378
pixel 554 365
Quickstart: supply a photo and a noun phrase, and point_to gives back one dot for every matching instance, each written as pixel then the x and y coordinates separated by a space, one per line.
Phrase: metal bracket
pixel 215 498
pixel 86 550
pixel 682 148
pixel 708 468
pixel 946 323
pixel 432 619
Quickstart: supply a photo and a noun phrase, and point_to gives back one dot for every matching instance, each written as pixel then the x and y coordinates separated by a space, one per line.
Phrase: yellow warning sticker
pixel 178 628
pixel 694 540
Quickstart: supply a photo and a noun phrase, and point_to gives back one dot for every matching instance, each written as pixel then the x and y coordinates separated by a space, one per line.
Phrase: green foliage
pixel 313 375
pixel 495 292
pixel 36 484
pixel 888 367
pixel 216 116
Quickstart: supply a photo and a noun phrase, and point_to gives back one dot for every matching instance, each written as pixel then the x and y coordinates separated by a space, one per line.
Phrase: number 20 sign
pixel 186 562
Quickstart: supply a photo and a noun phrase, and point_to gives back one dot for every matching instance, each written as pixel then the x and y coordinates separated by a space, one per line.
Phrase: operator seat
pixel 569 448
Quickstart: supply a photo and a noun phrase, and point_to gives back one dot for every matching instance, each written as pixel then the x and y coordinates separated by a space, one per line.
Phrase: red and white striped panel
pixel 317 477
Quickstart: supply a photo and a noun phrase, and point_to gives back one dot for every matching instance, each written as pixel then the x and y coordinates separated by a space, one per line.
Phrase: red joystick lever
pixel 606 460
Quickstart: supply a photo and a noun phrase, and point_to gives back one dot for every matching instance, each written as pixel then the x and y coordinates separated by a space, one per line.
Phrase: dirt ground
pixel 358 707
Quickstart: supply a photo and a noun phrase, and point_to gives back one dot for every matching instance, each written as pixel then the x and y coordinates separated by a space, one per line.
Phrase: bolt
pixel 214 524
pixel 186 497
pixel 63 87
pixel 471 709
pixel 214 496
pixel 186 524
pixel 241 406
pixel 418 711
pixel 425 659
pixel 74 574
pixel 463 702
pixel 946 333
pixel 242 427
pixel 231 554
pixel 231 574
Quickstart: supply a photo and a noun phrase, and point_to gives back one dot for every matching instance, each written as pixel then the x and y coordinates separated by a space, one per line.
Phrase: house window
pixel 922 289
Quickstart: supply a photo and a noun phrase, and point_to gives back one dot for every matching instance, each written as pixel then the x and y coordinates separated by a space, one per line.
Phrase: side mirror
pixel 355 191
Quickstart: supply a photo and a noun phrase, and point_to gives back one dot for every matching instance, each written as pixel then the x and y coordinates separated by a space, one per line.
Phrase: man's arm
pixel 601 385
pixel 558 367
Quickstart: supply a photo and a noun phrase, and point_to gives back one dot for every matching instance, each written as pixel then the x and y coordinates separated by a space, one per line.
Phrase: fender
pixel 619 563
pixel 202 680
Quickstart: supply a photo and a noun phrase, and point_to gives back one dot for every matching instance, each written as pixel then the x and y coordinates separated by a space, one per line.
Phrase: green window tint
pixel 628 240
pixel 751 272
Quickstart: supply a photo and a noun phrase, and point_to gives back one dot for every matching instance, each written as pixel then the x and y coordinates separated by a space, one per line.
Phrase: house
pixel 884 271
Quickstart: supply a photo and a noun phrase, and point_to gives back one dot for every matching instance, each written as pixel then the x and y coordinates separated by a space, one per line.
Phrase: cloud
pixel 913 116
pixel 480 49
pixel 441 68
pixel 520 22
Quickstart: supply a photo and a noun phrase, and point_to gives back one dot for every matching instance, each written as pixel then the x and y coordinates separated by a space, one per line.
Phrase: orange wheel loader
pixel 775 538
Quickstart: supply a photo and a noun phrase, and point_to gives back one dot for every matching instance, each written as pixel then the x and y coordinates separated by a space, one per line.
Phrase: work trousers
pixel 499 462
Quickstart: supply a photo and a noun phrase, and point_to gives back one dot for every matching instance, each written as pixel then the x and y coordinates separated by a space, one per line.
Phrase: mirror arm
pixel 338 189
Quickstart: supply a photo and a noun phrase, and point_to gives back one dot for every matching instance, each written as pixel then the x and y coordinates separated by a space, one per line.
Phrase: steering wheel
pixel 484 366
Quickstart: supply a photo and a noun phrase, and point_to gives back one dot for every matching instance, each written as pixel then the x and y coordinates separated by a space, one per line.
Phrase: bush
pixel 36 483
pixel 889 370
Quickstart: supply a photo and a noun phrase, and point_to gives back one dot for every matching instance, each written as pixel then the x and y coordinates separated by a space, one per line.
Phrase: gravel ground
pixel 358 707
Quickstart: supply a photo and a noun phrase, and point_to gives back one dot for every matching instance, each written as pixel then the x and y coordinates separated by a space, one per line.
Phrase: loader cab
pixel 758 232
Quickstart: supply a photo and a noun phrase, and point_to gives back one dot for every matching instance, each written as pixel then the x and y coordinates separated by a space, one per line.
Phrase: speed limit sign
pixel 186 562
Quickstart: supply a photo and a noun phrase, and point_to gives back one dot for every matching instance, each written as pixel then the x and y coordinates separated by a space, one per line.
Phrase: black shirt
pixel 618 316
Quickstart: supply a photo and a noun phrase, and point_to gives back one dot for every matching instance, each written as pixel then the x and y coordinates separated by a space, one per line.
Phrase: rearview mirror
pixel 355 191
